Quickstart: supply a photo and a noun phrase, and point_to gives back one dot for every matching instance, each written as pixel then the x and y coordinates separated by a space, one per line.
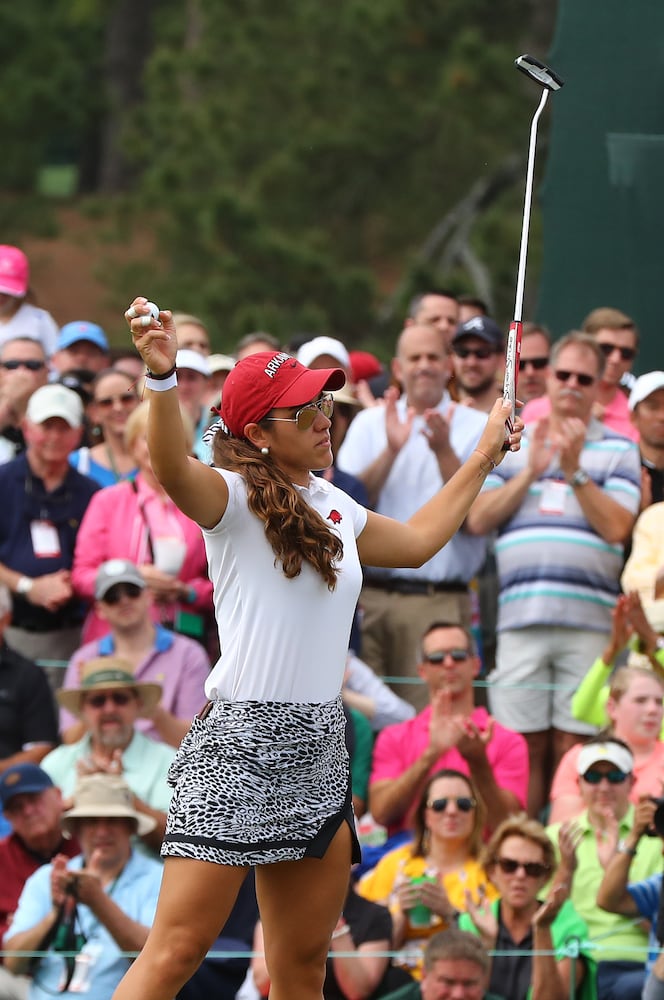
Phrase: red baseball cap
pixel 267 379
pixel 364 365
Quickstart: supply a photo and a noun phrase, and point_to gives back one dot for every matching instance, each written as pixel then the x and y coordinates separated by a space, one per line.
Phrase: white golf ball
pixel 152 315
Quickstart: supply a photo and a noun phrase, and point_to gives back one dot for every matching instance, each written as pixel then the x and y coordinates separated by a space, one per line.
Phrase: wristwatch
pixel 624 848
pixel 580 478
pixel 24 585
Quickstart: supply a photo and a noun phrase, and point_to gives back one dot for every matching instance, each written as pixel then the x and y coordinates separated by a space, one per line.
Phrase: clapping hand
pixel 483 917
pixel 397 430
pixel 550 908
pixel 570 836
pixel 606 835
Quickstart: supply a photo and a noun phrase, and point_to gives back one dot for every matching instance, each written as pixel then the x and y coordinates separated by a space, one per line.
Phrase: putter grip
pixel 510 379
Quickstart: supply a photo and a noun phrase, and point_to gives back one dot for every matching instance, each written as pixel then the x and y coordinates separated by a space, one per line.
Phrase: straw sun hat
pixel 104 673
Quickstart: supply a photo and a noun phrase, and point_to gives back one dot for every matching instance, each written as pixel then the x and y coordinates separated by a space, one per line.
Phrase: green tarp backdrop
pixel 603 192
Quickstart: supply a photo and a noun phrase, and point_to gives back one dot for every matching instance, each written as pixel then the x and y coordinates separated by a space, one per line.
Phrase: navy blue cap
pixel 22 779
pixel 483 327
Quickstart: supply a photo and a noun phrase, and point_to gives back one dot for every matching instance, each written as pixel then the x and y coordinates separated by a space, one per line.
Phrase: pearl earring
pixel 265 451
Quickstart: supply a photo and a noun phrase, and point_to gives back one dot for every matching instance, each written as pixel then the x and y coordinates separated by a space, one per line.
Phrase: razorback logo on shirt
pixel 335 517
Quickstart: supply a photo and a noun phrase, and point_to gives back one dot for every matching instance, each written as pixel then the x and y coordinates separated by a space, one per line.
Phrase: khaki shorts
pixel 538 669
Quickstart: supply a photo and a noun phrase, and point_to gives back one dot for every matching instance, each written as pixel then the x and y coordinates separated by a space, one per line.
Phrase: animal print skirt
pixel 260 782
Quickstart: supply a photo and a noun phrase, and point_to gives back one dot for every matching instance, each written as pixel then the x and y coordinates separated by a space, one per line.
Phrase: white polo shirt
pixel 415 478
pixel 281 640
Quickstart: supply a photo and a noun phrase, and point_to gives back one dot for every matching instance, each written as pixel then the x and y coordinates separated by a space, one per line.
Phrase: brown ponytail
pixel 295 530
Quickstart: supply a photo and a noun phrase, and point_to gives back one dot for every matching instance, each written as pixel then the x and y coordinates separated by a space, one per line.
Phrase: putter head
pixel 537 71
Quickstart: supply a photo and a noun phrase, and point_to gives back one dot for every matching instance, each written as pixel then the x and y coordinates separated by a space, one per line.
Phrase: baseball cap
pixel 480 326
pixel 14 271
pixel 323 345
pixel 605 753
pixel 22 779
pixel 220 363
pixel 192 360
pixel 644 386
pixel 55 400
pixel 116 571
pixel 80 329
pixel 271 378
pixel 364 365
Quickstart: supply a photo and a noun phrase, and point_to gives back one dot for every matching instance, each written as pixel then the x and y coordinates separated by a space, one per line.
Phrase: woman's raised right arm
pixel 199 491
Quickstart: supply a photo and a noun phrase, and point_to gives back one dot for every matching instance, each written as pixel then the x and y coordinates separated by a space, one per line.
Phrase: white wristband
pixel 161 384
pixel 24 585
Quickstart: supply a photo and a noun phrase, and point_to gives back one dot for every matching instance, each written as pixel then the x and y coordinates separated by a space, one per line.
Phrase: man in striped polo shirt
pixel 563 506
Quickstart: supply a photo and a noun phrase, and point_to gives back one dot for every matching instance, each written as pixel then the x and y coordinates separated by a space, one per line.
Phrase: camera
pixel 657 828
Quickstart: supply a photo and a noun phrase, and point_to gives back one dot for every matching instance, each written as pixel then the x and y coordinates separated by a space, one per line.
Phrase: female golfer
pixel 262 777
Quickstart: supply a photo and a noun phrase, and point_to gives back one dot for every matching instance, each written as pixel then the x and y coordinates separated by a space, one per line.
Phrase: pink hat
pixel 14 271
pixel 262 381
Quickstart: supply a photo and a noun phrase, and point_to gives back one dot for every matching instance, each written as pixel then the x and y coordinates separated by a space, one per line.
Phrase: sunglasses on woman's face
pixel 464 803
pixel 613 777
pixel 126 399
pixel 533 869
pixel 306 415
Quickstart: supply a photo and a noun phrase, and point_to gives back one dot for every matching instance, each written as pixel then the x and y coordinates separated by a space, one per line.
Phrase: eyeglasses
pixel 120 590
pixel 626 353
pixel 464 804
pixel 306 415
pixel 31 364
pixel 481 353
pixel 533 869
pixel 126 399
pixel 118 698
pixel 613 777
pixel 440 655
pixel 537 363
pixel 580 377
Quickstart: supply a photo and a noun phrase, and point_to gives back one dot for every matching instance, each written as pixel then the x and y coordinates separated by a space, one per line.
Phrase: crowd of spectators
pixel 472 722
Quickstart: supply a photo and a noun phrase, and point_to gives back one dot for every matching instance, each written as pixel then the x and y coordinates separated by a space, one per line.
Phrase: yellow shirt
pixel 398 866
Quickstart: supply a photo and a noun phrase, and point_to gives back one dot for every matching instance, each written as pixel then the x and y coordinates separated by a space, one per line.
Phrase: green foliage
pixel 48 60
pixel 289 158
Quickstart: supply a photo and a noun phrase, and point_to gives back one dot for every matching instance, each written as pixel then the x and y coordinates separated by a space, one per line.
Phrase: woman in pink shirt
pixel 137 520
pixel 635 708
